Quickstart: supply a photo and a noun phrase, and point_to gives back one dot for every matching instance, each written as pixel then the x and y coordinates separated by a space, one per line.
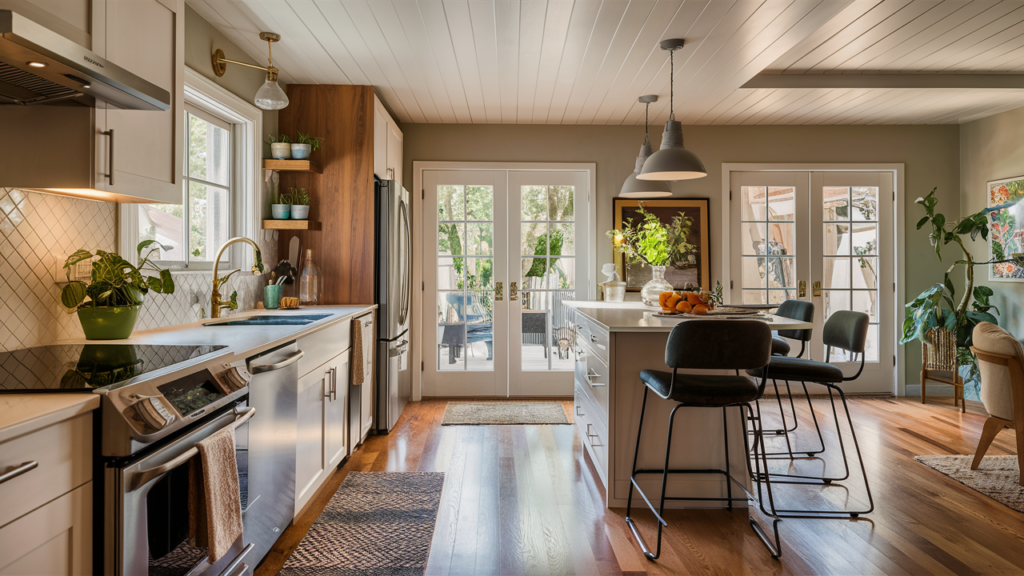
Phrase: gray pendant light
pixel 672 161
pixel 634 187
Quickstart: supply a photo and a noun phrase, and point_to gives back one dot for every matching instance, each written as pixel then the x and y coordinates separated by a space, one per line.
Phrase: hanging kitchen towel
pixel 357 352
pixel 214 508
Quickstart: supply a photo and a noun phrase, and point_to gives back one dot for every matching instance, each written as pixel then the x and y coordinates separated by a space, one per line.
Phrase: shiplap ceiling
pixel 587 61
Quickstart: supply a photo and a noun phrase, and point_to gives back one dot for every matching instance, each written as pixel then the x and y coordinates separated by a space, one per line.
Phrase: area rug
pixel 376 524
pixel 997 477
pixel 512 412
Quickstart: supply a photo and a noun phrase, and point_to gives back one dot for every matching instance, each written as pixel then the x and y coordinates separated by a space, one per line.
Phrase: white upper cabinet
pixel 387 144
pixel 105 152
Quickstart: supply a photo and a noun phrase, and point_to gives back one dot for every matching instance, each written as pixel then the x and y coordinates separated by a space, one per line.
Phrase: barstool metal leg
pixel 774 548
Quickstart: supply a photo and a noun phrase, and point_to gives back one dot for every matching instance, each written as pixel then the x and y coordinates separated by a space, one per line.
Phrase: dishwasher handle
pixel 264 368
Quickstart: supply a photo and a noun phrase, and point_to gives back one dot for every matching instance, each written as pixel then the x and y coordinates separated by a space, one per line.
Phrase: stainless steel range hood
pixel 39 66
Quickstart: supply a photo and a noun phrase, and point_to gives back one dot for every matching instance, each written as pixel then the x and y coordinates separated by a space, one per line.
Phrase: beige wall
pixel 930 153
pixel 992 149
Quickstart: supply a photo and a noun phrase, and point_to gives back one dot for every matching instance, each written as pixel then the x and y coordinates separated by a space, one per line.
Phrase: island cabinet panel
pixel 343 194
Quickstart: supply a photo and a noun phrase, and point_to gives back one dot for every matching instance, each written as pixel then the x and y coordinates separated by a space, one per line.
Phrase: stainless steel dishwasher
pixel 273 391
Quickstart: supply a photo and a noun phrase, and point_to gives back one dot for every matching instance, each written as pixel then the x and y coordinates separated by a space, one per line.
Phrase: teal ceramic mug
pixel 272 297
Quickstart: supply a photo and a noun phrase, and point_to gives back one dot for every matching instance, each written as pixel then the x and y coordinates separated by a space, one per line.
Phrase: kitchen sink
pixel 298 320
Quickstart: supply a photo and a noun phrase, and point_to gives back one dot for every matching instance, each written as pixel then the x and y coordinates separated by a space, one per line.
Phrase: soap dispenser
pixel 309 282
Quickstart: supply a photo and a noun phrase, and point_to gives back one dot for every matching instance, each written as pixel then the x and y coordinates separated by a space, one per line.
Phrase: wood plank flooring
pixel 525 500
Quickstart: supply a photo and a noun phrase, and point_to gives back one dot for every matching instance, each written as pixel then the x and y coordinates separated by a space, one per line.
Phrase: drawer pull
pixel 592 436
pixel 578 413
pixel 593 338
pixel 19 470
pixel 591 374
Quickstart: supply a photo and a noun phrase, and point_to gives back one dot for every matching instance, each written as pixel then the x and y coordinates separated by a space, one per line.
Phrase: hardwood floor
pixel 524 500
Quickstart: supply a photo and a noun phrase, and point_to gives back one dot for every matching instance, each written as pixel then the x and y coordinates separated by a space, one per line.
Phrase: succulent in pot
pixel 300 203
pixel 282 207
pixel 108 305
pixel 280 146
pixel 304 146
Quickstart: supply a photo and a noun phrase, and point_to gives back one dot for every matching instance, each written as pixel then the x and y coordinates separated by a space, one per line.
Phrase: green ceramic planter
pixel 108 322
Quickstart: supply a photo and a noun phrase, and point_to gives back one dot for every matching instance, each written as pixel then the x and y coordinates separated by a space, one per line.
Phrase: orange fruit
pixel 672 301
pixel 683 307
pixel 663 298
pixel 693 298
pixel 700 309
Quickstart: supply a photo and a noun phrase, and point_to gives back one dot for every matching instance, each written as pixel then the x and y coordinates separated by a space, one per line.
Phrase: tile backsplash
pixel 38 230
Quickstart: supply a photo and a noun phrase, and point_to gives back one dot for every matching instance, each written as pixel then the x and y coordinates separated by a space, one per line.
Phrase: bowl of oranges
pixel 695 302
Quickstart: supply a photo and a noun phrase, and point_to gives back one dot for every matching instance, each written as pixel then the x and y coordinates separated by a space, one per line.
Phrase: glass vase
pixel 655 286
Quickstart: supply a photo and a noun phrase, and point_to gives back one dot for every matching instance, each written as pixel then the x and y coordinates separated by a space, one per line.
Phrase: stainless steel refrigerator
pixel 393 286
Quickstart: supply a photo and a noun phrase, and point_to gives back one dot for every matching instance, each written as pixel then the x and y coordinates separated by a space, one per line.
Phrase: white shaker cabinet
pixel 336 411
pixel 322 426
pixel 387 144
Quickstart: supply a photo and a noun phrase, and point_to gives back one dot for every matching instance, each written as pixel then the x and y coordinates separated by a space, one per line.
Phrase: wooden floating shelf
pixel 292 165
pixel 290 225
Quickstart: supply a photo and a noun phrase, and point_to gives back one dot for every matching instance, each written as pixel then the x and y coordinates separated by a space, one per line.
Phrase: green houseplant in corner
pixel 300 204
pixel 108 305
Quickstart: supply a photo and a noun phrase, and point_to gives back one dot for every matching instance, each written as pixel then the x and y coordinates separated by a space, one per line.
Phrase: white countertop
pixel 637 317
pixel 23 413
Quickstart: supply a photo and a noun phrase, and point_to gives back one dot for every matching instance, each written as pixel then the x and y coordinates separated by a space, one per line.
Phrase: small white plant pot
pixel 281 150
pixel 280 211
pixel 301 151
pixel 300 212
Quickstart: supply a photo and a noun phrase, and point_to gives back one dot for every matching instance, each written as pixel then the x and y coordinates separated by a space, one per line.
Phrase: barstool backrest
pixel 847 330
pixel 719 345
pixel 796 310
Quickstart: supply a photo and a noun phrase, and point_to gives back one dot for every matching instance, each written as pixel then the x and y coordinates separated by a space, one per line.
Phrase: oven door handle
pixel 143 477
pixel 231 570
pixel 263 368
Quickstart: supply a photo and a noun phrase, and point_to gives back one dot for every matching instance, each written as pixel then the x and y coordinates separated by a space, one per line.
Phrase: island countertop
pixel 638 317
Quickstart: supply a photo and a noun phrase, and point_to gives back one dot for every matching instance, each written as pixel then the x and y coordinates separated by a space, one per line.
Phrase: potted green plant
pixel 304 146
pixel 300 203
pixel 108 305
pixel 282 207
pixel 656 245
pixel 280 146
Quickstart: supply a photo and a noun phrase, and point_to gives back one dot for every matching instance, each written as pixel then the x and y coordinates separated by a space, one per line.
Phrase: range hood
pixel 39 66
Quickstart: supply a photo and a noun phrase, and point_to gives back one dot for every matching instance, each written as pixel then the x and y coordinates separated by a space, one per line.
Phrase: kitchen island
pixel 614 342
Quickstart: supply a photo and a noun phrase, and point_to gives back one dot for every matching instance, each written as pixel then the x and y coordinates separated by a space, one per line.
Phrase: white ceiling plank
pixel 404 56
pixel 581 25
pixel 786 107
pixel 609 18
pixel 811 107
pixel 909 81
pixel 777 99
pixel 975 43
pixel 878 34
pixel 532 14
pixel 850 14
pixel 857 29
pixel 974 103
pixel 506 27
pixel 970 117
pixel 896 114
pixel 320 30
pixel 639 24
pixel 998 59
pixel 826 109
pixel 861 113
pixel 945 107
pixel 300 41
pixel 556 27
pixel 965 12
pixel 451 103
pixel 481 13
pixel 752 99
pixel 290 53
pixel 935 13
pixel 914 59
pixel 399 99
pixel 457 29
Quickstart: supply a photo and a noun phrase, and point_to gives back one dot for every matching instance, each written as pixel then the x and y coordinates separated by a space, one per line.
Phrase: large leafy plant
pixel 653 242
pixel 115 281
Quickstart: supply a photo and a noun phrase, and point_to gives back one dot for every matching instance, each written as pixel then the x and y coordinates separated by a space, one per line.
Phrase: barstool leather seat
pixel 780 347
pixel 801 370
pixel 702 390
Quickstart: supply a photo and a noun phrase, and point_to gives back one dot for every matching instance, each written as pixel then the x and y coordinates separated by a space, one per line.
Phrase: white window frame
pixel 246 183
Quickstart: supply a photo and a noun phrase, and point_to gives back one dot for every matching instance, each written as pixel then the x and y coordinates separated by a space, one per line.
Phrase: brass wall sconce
pixel 270 96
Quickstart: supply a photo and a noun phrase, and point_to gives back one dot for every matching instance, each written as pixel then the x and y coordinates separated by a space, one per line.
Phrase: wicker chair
pixel 939 364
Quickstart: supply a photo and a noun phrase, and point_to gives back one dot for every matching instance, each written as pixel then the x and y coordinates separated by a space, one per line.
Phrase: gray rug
pixel 998 477
pixel 511 412
pixel 377 524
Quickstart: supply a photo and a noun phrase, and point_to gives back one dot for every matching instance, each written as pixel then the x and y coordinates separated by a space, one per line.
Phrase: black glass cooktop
pixel 78 367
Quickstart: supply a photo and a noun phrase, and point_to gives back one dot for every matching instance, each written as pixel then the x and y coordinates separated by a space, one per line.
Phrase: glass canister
pixel 309 282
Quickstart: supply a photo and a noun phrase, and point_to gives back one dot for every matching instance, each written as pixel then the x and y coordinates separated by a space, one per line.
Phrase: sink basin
pixel 298 320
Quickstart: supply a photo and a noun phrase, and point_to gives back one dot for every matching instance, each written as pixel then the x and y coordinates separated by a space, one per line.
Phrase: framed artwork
pixel 697 273
pixel 1006 228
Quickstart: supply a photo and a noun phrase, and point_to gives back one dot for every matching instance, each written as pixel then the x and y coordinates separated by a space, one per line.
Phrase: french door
pixel 503 249
pixel 826 237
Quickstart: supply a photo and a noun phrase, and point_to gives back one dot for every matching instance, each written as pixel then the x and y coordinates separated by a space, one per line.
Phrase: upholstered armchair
pixel 1001 360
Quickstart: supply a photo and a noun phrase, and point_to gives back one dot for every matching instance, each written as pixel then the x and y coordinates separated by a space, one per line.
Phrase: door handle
pixel 513 292
pixel 19 470
pixel 498 291
pixel 816 288
pixel 803 289
pixel 263 368
pixel 110 155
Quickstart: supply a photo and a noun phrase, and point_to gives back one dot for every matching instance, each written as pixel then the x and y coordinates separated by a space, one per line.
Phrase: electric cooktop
pixel 82 367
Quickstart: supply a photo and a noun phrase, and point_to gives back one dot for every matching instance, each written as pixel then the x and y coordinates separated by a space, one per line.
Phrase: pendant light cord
pixel 647 121
pixel 671 85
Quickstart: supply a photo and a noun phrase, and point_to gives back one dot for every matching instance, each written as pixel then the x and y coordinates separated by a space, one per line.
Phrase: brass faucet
pixel 257 268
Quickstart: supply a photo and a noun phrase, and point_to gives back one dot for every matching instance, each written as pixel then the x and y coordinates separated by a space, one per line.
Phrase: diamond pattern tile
pixel 37 229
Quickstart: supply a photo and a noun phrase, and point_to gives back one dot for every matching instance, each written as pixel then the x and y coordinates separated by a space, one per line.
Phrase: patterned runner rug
pixel 997 477
pixel 511 412
pixel 377 524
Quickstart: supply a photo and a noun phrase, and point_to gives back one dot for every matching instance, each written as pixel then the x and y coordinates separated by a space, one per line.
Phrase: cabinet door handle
pixel 592 436
pixel 19 470
pixel 578 413
pixel 110 155
pixel 327 384
pixel 334 383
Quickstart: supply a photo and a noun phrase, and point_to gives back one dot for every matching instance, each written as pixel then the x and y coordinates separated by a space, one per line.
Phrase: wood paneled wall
pixel 342 197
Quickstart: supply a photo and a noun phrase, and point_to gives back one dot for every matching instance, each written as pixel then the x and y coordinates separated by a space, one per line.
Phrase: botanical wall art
pixel 692 270
pixel 1006 227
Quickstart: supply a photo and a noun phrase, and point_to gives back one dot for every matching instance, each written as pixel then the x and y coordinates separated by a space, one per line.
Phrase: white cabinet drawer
pixel 323 345
pixel 593 432
pixel 53 540
pixel 594 335
pixel 63 453
pixel 593 375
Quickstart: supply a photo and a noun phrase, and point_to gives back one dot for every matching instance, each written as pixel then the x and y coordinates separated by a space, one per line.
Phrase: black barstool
pixel 845 330
pixel 803 312
pixel 707 345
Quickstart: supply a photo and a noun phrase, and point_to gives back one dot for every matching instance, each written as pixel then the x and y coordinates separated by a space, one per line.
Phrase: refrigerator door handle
pixel 399 349
pixel 406 264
